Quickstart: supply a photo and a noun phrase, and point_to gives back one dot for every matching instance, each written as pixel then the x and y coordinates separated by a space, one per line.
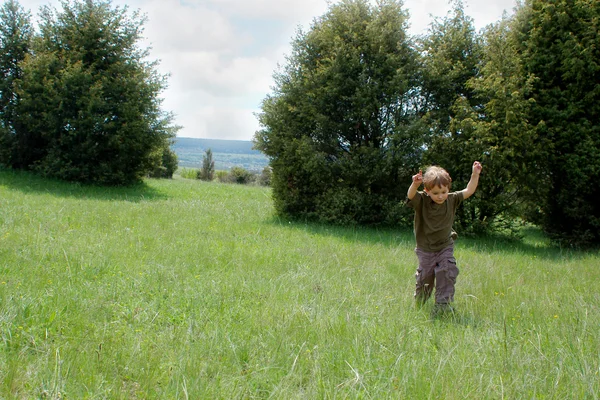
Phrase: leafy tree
pixel 165 163
pixel 340 127
pixel 265 176
pixel 91 97
pixel 451 57
pixel 240 175
pixel 16 34
pixel 560 50
pixel 169 162
pixel 498 133
pixel 207 172
pixel 451 54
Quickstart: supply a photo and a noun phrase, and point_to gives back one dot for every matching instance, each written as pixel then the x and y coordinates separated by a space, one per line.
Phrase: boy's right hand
pixel 416 182
pixel 418 178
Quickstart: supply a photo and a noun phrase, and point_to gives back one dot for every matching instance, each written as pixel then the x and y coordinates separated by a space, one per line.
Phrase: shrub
pixel 264 179
pixel 340 125
pixel 166 165
pixel 222 176
pixel 241 176
pixel 90 99
pixel 188 173
pixel 207 172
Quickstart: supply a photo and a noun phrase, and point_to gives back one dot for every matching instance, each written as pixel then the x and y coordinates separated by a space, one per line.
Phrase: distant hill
pixel 226 153
pixel 216 145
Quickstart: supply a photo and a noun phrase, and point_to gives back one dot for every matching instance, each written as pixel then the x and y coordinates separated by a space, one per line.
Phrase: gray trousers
pixel 436 270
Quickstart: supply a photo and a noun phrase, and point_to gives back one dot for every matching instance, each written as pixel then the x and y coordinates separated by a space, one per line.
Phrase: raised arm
pixel 473 182
pixel 416 182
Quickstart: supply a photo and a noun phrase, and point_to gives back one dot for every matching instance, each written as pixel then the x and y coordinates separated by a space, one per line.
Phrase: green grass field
pixel 183 289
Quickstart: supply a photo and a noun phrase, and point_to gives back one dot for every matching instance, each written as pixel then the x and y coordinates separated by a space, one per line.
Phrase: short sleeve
pixel 458 198
pixel 415 201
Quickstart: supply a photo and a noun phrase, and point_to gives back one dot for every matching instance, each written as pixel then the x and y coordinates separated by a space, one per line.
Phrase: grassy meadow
pixel 182 289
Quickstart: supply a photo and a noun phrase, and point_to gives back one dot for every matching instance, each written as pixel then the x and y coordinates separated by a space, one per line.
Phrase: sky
pixel 221 54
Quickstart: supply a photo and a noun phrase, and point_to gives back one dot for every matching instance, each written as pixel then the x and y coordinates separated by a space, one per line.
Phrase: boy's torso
pixel 433 222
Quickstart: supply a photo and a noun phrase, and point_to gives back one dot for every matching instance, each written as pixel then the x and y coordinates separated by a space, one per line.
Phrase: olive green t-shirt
pixel 433 222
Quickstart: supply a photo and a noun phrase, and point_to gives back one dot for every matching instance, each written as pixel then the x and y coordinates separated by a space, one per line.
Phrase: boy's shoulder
pixel 458 193
pixel 455 199
pixel 417 199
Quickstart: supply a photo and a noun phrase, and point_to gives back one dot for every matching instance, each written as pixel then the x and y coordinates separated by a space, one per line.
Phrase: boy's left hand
pixel 477 167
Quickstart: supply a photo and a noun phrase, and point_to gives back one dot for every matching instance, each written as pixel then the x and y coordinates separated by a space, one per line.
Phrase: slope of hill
pixel 180 288
pixel 226 153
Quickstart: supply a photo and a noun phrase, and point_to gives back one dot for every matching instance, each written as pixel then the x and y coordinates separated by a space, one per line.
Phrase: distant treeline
pixel 216 145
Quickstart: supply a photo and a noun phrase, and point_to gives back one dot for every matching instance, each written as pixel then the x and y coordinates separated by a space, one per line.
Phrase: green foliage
pixel 16 34
pixel 451 58
pixel 240 175
pixel 222 176
pixel 165 163
pixel 497 133
pixel 355 112
pixel 89 99
pixel 560 51
pixel 340 127
pixel 207 172
pixel 6 145
pixel 265 176
pixel 169 162
pixel 188 173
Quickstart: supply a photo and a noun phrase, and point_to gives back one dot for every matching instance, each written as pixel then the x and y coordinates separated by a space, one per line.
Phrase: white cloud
pixel 220 76
pixel 219 121
pixel 483 12
pixel 221 54
pixel 281 10
pixel 174 27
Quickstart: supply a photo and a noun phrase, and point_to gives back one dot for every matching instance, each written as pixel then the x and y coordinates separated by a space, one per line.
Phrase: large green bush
pixel 240 175
pixel 340 126
pixel 359 108
pixel 90 107
pixel 562 54
pixel 166 163
pixel 16 33
pixel 451 55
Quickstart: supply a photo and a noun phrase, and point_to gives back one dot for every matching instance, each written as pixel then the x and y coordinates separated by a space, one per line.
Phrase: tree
pixel 497 132
pixel 165 163
pixel 560 51
pixel 207 172
pixel 451 55
pixel 91 98
pixel 340 127
pixel 240 176
pixel 265 176
pixel 16 34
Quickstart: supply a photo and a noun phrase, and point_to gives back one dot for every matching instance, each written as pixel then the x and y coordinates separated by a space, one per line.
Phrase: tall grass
pixel 181 289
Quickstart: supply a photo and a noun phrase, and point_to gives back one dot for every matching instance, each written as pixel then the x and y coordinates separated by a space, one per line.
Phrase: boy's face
pixel 438 194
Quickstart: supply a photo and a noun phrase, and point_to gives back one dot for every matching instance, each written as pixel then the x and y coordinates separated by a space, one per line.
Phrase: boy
pixel 434 215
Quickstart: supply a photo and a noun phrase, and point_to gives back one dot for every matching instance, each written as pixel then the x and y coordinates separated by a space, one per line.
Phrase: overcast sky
pixel 221 54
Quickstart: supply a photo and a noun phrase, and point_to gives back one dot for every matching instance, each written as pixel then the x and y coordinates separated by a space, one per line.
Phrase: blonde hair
pixel 436 176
